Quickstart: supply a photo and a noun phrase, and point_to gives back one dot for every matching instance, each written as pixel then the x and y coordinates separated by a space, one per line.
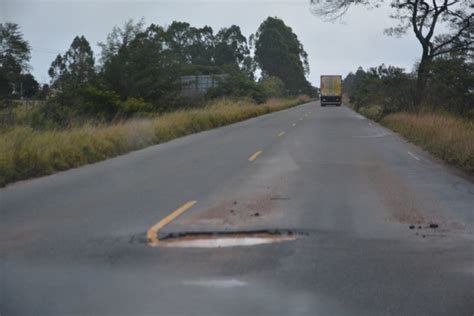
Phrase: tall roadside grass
pixel 448 137
pixel 27 153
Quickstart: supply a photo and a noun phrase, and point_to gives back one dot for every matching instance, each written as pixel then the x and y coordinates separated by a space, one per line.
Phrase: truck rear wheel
pixel 322 104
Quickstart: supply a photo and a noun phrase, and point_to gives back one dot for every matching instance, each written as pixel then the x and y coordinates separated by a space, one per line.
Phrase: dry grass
pixel 448 137
pixel 26 153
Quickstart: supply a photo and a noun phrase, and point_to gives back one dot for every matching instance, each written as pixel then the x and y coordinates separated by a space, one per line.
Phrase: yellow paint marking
pixel 281 134
pixel 254 156
pixel 152 233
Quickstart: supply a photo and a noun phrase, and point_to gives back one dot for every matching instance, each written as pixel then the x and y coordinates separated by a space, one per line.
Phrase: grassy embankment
pixel 447 137
pixel 26 153
pixel 444 135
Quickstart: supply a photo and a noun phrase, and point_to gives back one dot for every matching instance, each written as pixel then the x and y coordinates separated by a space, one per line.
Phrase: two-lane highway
pixel 308 211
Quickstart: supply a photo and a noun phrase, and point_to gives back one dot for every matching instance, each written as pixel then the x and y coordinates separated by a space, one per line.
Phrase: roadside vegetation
pixel 144 89
pixel 27 152
pixel 445 135
pixel 443 123
pixel 432 106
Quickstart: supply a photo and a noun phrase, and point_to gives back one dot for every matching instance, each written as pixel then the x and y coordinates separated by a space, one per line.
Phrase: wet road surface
pixel 308 211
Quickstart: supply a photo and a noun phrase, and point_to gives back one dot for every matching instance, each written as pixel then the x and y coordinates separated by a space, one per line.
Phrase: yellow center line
pixel 152 233
pixel 254 156
pixel 281 134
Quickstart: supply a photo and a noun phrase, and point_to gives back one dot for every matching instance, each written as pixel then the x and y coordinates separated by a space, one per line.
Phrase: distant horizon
pixel 49 27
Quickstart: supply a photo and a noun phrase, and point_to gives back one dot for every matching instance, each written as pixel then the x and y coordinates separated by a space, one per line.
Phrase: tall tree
pixel 119 37
pixel 230 46
pixel 190 45
pixel 423 17
pixel 75 67
pixel 14 57
pixel 279 53
pixel 202 46
pixel 29 86
pixel 145 67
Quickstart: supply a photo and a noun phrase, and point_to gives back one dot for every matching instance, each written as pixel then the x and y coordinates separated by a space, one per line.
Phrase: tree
pixel 144 67
pixel 118 38
pixel 43 92
pixel 230 46
pixel 279 53
pixel 422 17
pixel 178 39
pixel 29 86
pixel 387 87
pixel 75 67
pixel 451 85
pixel 189 44
pixel 153 67
pixel 14 50
pixel 201 48
pixel 14 57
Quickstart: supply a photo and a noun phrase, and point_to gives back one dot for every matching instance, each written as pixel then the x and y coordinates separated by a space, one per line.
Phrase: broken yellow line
pixel 254 156
pixel 281 134
pixel 152 233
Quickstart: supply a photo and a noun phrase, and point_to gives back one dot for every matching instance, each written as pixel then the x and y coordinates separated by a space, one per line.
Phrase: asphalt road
pixel 341 190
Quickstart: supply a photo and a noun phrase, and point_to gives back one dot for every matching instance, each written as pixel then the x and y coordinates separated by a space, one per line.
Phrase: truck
pixel 331 90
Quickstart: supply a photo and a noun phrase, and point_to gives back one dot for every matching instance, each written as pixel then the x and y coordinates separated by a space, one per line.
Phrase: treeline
pixel 139 69
pixel 382 90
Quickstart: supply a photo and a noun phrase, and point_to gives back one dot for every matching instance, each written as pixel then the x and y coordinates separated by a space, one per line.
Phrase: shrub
pixel 373 112
pixel 273 87
pixel 133 106
pixel 97 102
pixel 74 106
pixel 451 86
pixel 26 153
pixel 388 87
pixel 238 85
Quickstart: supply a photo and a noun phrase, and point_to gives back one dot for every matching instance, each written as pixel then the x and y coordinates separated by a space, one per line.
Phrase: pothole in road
pixel 223 239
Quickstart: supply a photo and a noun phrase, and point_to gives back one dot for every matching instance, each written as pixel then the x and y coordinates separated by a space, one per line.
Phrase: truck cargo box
pixel 331 90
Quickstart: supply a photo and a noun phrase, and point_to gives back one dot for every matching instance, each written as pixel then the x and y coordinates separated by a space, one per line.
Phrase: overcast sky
pixel 333 48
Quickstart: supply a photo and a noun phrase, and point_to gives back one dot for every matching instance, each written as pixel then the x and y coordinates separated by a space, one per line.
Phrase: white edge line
pixel 413 156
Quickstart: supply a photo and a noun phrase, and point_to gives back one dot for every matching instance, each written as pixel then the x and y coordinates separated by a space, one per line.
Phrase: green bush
pixel 388 87
pixel 374 112
pixel 54 114
pixel 75 106
pixel 273 87
pixel 238 85
pixel 97 102
pixel 133 106
pixel 451 86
